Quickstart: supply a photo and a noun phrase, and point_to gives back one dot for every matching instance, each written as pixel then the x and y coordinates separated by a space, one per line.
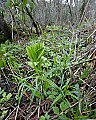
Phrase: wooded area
pixel 47 59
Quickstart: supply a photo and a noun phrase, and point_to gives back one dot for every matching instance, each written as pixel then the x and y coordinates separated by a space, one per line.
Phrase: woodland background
pixel 47 59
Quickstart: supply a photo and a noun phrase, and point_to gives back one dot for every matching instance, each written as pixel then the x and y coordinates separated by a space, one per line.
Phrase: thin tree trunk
pixel 5 29
pixel 35 23
pixel 70 11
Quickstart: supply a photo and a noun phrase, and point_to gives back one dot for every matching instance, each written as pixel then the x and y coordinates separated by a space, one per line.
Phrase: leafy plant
pixel 4 97
pixel 55 72
pixel 35 54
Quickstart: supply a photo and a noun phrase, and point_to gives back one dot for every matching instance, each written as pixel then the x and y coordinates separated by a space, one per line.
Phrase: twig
pixel 75 52
pixel 6 78
pixel 16 112
pixel 33 112
pixel 91 34
pixel 79 105
pixel 83 15
pixel 10 114
pixel 88 111
pixel 39 108
pixel 89 60
pixel 87 84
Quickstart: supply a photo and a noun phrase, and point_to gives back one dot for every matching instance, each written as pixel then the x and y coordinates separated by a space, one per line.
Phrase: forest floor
pixel 52 76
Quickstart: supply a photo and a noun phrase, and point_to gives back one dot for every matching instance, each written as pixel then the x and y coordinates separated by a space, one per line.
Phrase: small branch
pixel 91 34
pixel 90 60
pixel 16 112
pixel 10 113
pixel 39 108
pixel 83 15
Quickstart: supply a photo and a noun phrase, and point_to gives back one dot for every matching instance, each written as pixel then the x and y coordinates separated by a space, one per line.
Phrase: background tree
pixel 26 15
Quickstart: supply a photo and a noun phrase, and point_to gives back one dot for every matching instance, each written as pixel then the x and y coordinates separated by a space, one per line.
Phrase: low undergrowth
pixel 53 77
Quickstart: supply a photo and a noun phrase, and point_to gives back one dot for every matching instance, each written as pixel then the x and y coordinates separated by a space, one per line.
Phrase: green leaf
pixel 4 94
pixel 2 63
pixel 9 96
pixel 85 74
pixel 51 97
pixel 40 53
pixel 35 52
pixel 51 83
pixel 24 83
pixel 42 118
pixel 31 64
pixel 15 1
pixel 8 4
pixel 24 2
pixel 47 116
pixel 57 98
pixel 64 105
pixel 29 52
pixel 63 117
pixel 56 110
pixel 72 95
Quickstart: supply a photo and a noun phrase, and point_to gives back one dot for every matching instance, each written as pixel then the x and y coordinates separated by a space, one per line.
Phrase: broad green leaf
pixel 64 105
pixel 35 52
pixel 72 95
pixel 47 116
pixel 4 94
pixel 9 96
pixel 63 117
pixel 24 2
pixel 56 99
pixel 15 1
pixel 42 118
pixel 51 83
pixel 56 110
pixel 31 64
pixel 85 74
pixel 40 53
pixel 29 52
pixel 51 97
pixel 8 3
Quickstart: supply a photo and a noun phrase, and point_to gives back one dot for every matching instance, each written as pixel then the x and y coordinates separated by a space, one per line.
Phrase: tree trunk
pixel 5 30
pixel 35 23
